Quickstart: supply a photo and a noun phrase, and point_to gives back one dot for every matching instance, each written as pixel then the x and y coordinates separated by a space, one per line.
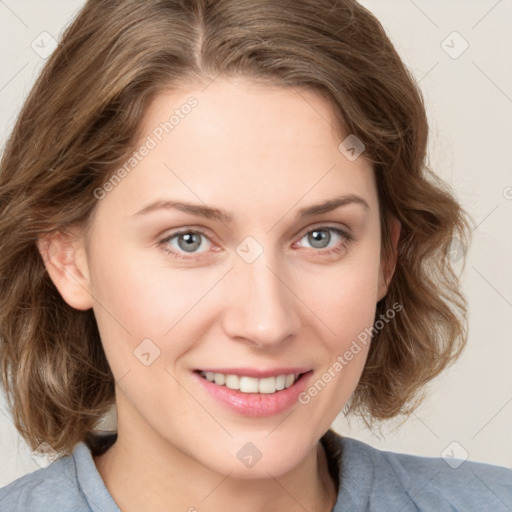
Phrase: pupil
pixel 192 241
pixel 319 237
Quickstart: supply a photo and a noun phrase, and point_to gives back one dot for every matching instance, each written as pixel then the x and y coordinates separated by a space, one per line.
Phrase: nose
pixel 263 308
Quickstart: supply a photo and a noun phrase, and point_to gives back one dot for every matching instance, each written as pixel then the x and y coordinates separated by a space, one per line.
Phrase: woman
pixel 217 215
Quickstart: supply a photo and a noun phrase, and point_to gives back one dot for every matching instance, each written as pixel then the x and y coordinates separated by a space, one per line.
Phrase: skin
pixel 262 153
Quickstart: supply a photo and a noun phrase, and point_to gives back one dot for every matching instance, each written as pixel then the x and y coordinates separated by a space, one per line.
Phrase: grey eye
pixel 189 241
pixel 319 238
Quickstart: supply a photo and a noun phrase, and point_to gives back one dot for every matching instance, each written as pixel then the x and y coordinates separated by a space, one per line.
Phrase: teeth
pixel 232 381
pixel 219 378
pixel 246 384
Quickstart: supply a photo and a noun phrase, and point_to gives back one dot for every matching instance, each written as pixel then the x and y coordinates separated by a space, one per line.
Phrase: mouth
pixel 248 384
pixel 254 393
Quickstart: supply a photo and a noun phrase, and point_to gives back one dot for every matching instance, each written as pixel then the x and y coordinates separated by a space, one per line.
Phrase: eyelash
pixel 347 240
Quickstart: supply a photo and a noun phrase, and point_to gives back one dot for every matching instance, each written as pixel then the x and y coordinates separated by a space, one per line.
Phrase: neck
pixel 160 477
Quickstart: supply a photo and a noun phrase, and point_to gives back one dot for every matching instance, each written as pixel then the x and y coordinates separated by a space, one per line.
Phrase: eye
pixel 184 242
pixel 321 237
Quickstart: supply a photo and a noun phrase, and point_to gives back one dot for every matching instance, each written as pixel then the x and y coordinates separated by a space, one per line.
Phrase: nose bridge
pixel 263 308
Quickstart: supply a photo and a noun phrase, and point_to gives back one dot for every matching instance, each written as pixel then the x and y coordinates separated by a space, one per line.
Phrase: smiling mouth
pixel 245 384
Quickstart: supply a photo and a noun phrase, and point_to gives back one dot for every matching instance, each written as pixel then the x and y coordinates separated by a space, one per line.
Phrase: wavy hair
pixel 82 119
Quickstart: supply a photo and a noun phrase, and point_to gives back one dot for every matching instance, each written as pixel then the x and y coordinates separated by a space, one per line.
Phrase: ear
pixel 65 259
pixel 387 268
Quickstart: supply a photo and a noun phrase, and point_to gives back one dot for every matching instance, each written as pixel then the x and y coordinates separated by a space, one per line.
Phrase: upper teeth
pixel 250 384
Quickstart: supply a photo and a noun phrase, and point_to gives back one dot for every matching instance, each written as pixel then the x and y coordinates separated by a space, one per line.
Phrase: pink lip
pixel 256 404
pixel 257 374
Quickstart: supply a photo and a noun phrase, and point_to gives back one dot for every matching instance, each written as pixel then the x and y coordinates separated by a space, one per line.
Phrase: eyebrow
pixel 209 212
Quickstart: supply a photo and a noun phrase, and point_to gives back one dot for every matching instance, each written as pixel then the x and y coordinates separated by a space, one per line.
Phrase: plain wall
pixel 468 411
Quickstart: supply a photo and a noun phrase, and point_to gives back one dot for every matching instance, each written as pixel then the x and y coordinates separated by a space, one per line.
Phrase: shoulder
pixel 52 488
pixel 419 483
pixel 71 483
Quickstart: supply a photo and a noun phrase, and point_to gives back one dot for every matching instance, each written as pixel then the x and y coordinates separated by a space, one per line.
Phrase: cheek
pixel 346 305
pixel 345 299
pixel 138 294
pixel 137 301
pixel 350 315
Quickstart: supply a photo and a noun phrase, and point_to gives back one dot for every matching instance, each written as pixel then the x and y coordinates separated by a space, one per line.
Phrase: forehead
pixel 242 143
pixel 243 116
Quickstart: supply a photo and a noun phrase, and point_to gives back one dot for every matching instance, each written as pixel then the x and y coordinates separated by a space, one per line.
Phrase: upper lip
pixel 257 373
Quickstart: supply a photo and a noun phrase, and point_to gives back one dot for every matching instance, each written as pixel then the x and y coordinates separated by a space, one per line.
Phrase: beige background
pixel 468 412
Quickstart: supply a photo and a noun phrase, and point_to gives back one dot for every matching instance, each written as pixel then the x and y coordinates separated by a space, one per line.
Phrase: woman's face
pixel 263 281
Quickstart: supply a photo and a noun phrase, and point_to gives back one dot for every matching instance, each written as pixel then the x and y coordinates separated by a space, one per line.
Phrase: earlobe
pixel 65 260
pixel 387 269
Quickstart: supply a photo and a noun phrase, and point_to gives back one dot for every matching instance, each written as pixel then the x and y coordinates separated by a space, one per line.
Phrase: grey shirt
pixel 369 480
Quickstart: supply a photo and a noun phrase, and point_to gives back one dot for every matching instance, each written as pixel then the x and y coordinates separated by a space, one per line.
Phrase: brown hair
pixel 82 119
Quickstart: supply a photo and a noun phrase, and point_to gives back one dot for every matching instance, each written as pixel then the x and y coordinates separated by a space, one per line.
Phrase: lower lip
pixel 257 404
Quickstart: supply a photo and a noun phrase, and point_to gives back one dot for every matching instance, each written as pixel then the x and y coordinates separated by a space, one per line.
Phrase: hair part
pixel 82 119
